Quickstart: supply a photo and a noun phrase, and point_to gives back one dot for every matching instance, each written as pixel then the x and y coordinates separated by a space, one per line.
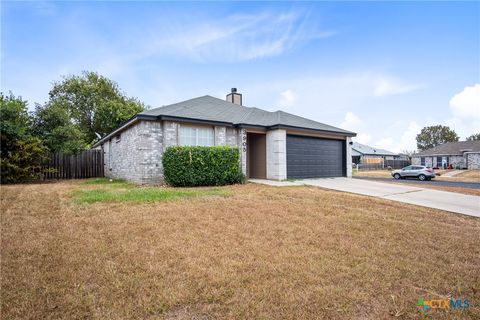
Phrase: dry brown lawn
pixel 260 253
pixel 466 176
pixel 473 192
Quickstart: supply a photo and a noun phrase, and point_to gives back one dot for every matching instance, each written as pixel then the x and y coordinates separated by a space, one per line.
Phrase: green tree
pixel 433 136
pixel 21 153
pixel 14 121
pixel 474 137
pixel 23 161
pixel 94 103
pixel 54 125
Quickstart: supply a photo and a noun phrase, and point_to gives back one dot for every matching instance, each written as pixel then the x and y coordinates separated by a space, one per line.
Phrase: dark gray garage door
pixel 309 157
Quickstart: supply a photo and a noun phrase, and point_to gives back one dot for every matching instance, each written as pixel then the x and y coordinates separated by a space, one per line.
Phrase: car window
pixel 417 168
pixel 408 168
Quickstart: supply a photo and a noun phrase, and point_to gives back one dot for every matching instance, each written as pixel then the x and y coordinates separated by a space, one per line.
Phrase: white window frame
pixel 196 134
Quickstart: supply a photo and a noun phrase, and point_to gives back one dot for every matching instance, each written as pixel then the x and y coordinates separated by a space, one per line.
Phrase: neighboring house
pixel 273 145
pixel 461 154
pixel 402 156
pixel 364 154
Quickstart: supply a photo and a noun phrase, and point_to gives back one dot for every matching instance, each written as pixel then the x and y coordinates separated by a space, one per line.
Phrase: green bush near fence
pixel 201 166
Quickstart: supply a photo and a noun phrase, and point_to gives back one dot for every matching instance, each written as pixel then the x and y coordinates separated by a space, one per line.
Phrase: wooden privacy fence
pixel 88 164
pixel 393 164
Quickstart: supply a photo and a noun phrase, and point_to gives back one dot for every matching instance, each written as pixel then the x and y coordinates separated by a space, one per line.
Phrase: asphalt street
pixel 433 182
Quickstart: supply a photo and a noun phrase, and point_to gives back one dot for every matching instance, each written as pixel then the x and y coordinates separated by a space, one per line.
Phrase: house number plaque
pixel 244 140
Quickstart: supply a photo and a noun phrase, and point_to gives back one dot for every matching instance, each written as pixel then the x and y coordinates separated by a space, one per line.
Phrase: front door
pixel 444 162
pixel 256 155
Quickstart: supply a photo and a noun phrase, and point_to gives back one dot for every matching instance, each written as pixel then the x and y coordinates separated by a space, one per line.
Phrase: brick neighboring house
pixel 273 145
pixel 461 154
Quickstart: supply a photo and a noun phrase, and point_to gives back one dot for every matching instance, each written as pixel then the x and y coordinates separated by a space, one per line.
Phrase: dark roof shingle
pixel 208 108
pixel 452 148
pixel 364 149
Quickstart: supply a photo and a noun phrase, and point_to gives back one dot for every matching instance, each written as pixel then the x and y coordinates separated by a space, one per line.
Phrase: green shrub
pixel 23 162
pixel 201 166
pixel 21 153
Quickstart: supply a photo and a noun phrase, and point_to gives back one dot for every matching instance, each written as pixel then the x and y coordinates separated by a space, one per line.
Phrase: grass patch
pixel 151 194
pixel 108 182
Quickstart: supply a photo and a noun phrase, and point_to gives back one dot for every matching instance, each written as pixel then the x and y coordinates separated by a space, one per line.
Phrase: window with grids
pixel 191 136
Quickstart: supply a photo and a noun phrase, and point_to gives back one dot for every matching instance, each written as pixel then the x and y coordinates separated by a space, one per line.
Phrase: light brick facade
pixel 470 160
pixel 135 154
pixel 348 153
pixel 473 161
pixel 277 154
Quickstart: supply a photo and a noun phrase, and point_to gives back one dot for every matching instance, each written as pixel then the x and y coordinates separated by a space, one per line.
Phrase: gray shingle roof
pixel 208 108
pixel 355 153
pixel 364 149
pixel 452 148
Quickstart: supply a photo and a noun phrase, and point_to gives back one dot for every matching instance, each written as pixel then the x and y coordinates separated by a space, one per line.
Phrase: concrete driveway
pixel 448 201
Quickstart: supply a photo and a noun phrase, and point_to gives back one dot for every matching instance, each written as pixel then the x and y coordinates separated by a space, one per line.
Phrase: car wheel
pixel 422 177
pixel 396 176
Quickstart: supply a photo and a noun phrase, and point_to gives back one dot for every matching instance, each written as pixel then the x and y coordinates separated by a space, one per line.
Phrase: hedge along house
pixel 273 145
pixel 461 155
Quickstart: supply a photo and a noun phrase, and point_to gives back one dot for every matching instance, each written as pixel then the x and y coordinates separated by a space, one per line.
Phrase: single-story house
pixel 273 145
pixel 402 156
pixel 361 153
pixel 461 154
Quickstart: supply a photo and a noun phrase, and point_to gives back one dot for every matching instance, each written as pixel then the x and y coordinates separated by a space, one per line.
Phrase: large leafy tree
pixel 474 137
pixel 54 125
pixel 22 153
pixel 433 136
pixel 93 103
pixel 14 121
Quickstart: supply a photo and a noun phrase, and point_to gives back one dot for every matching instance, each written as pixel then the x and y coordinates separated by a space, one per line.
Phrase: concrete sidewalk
pixel 448 201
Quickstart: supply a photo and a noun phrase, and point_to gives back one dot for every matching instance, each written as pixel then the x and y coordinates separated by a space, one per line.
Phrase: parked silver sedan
pixel 420 172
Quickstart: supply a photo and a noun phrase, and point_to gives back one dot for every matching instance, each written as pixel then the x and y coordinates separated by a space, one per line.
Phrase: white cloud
pixel 363 138
pixel 287 98
pixel 351 122
pixel 323 94
pixel 462 126
pixel 384 143
pixel 408 139
pixel 388 87
pixel 237 37
pixel 466 104
pixel 400 137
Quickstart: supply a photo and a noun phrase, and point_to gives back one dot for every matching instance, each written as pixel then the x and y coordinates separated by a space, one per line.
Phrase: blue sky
pixel 381 69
